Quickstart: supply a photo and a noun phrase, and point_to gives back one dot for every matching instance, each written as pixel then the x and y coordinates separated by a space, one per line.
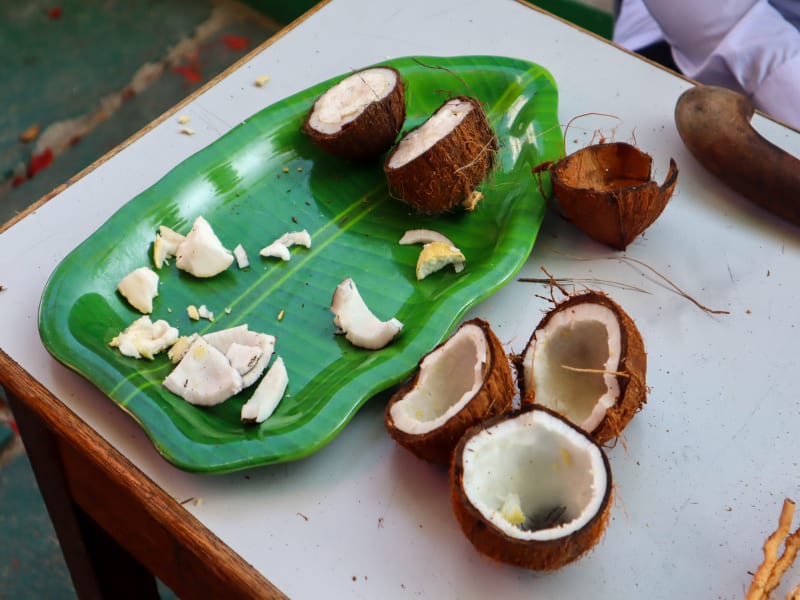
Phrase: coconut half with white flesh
pixel 435 167
pixel 461 382
pixel 586 360
pixel 360 117
pixel 530 489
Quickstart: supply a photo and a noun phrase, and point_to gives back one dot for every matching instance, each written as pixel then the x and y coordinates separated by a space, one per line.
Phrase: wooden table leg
pixel 98 565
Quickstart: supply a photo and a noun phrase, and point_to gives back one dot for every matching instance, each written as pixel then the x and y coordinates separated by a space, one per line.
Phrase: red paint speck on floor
pixel 235 42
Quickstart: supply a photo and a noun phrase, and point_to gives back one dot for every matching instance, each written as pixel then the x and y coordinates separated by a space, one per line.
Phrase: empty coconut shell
pixel 530 489
pixel 586 360
pixel 606 191
pixel 360 117
pixel 462 381
pixel 436 166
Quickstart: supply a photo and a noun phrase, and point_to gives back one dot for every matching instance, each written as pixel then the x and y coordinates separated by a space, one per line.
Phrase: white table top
pixel 704 468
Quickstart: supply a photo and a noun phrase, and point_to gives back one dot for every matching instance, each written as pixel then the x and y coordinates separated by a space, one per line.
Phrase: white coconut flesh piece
pixel 240 254
pixel 360 326
pixel 267 395
pixel 243 358
pixel 202 254
pixel 575 358
pixel 204 376
pixel 280 247
pixel 224 339
pixel 139 287
pixel 165 245
pixel 144 338
pixel 424 137
pixel 424 236
pixel 534 476
pixel 449 378
pixel 346 100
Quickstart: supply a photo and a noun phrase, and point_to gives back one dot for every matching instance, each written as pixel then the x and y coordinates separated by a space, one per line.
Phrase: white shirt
pixel 752 46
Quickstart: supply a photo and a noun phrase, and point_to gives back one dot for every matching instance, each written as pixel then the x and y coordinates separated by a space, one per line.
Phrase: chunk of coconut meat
pixel 204 376
pixel 439 125
pixel 144 338
pixel 572 363
pixel 225 339
pixel 360 326
pixel 346 100
pixel 165 245
pixel 202 254
pixel 240 254
pixel 139 287
pixel 449 377
pixel 280 247
pixel 534 476
pixel 435 256
pixel 423 236
pixel 267 395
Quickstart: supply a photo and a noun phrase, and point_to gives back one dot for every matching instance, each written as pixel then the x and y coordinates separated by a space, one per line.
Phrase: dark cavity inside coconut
pixel 586 361
pixel 606 191
pixel 530 489
pixel 360 117
pixel 463 381
pixel 436 166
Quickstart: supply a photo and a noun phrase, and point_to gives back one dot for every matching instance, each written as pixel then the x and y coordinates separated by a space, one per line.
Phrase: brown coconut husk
pixel 607 192
pixel 370 134
pixel 631 374
pixel 537 555
pixel 444 176
pixel 495 397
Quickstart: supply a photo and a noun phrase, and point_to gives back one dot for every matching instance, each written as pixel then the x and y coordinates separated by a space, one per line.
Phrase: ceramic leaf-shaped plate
pixel 264 178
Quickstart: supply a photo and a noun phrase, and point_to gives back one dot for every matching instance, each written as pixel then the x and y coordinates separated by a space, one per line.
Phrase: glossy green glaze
pixel 264 178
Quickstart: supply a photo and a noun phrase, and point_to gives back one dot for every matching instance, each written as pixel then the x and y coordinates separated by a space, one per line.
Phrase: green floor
pixel 77 79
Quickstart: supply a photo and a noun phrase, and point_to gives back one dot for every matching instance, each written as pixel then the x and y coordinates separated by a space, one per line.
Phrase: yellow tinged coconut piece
pixel 202 254
pixel 436 256
pixel 139 287
pixel 165 245
pixel 145 339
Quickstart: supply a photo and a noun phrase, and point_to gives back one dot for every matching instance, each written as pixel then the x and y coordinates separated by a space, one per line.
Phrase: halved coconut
pixel 360 117
pixel 459 383
pixel 606 191
pixel 530 489
pixel 436 166
pixel 586 361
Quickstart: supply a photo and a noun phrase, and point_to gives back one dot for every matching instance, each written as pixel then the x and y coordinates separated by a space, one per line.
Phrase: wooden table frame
pixel 118 530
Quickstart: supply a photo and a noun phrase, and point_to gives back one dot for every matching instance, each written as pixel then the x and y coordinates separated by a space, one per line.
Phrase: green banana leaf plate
pixel 262 179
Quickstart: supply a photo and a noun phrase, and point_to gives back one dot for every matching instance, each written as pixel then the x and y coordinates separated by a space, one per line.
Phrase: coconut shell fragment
pixel 435 167
pixel 461 382
pixel 360 117
pixel 607 192
pixel 586 360
pixel 530 489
